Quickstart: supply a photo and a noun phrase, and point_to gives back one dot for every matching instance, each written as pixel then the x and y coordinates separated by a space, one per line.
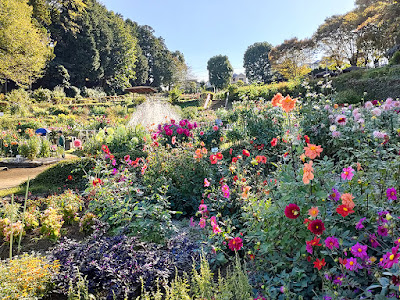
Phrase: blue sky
pixel 202 29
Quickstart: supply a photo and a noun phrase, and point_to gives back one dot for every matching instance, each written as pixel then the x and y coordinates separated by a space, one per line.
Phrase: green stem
pixel 11 223
pixel 23 215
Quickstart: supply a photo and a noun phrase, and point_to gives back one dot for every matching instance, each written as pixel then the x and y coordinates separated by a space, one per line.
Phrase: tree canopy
pixel 219 71
pixel 24 47
pixel 257 63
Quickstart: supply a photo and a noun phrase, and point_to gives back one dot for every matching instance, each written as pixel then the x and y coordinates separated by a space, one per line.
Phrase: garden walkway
pixel 15 176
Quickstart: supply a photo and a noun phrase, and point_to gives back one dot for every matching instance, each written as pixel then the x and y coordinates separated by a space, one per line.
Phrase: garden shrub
pixel 57 176
pixel 395 60
pixel 93 93
pixel 73 92
pixel 121 141
pixel 175 94
pixel 105 261
pixel 26 277
pixel 42 95
pixel 202 285
pixel 58 92
pixel 19 96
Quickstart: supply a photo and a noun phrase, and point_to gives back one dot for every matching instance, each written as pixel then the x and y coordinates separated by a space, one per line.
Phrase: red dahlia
pixel 245 153
pixel 292 211
pixel 317 227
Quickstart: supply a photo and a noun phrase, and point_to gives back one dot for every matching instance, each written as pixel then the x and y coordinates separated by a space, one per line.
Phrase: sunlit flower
pixel 312 151
pixel 308 172
pixel 341 120
pixel 347 173
pixel 288 104
pixel 246 153
pixel 235 244
pixel 292 211
pixel 274 142
pixel 359 250
pixel 376 112
pixel 277 100
pixel 391 194
pixel 206 182
pixel 344 211
pixel 313 211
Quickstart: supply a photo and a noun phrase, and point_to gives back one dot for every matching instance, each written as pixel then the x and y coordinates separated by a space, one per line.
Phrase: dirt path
pixel 16 176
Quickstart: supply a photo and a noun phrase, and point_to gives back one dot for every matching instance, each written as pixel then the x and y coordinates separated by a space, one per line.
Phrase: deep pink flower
pixel 191 223
pixel 373 240
pixel 202 223
pixel 352 264
pixel 347 173
pixel 77 143
pixel 360 225
pixel 216 229
pixel 391 193
pixel 382 231
pixel 359 250
pixel 390 258
pixel 331 242
pixel 335 195
pixel 206 182
pixel 235 244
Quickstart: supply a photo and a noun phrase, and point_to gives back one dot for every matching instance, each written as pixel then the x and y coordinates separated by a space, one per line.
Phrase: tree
pixel 219 71
pixel 257 63
pixel 338 39
pixel 291 58
pixel 24 48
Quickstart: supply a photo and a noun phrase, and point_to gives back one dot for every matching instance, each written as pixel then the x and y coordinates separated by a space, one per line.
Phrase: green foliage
pixel 395 60
pixel 202 285
pixel 175 94
pixel 219 71
pixel 79 290
pixel 57 175
pixel 257 64
pixel 182 174
pixel 42 95
pixel 25 48
pixel 380 83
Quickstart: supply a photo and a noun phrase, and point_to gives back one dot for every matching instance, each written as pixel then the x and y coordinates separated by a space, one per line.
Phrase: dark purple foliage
pixel 114 265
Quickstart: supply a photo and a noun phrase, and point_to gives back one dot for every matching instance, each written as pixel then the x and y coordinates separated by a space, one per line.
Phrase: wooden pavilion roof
pixel 141 90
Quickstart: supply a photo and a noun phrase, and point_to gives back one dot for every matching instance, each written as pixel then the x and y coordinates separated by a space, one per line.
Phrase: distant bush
pixel 93 93
pixel 17 96
pixel 58 92
pixel 175 94
pixel 395 60
pixel 73 92
pixel 42 95
pixel 348 96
